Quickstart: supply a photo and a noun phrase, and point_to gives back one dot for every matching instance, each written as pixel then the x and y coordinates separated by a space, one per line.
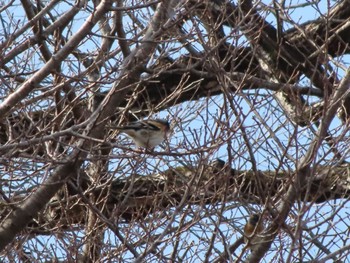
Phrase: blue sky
pixel 204 124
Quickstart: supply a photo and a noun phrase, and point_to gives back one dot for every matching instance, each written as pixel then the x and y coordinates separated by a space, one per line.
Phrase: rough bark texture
pixel 65 126
pixel 140 196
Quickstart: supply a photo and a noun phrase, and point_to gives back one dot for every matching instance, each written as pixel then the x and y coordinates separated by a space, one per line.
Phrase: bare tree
pixel 259 104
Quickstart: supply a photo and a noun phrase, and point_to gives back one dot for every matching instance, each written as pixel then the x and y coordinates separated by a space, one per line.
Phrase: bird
pixel 146 133
pixel 252 229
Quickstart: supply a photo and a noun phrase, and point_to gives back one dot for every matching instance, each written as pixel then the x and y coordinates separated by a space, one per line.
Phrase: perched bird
pixel 146 133
pixel 252 229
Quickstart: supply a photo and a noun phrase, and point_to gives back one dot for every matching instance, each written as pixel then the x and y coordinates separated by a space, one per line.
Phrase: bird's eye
pixel 144 133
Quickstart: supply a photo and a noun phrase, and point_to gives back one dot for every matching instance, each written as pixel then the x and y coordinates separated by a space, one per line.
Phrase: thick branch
pixel 304 172
pixel 21 216
pixel 158 192
pixel 129 73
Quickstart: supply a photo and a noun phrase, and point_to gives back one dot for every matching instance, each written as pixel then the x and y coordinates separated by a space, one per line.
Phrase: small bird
pixel 146 133
pixel 252 229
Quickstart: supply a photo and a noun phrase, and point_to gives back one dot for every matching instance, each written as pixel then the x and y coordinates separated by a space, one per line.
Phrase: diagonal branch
pixel 18 219
pixel 304 172
pixel 34 81
pixel 130 72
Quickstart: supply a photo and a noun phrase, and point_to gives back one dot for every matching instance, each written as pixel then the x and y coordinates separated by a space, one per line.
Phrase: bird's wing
pixel 139 125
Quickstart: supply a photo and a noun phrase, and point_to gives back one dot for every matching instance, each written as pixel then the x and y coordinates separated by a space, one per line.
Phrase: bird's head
pixel 163 124
pixel 254 219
